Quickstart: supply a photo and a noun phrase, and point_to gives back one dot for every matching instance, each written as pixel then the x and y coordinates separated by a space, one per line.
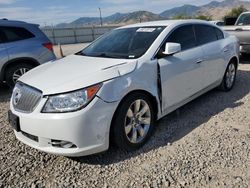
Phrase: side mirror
pixel 172 48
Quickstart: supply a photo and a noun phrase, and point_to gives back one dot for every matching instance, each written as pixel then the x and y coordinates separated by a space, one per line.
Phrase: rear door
pixel 209 38
pixel 3 52
pixel 181 73
pixel 17 41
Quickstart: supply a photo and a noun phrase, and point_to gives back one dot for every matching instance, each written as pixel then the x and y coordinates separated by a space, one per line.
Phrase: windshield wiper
pixel 80 53
pixel 108 55
pixel 103 54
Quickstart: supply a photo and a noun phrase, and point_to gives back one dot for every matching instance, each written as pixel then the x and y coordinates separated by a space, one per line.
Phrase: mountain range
pixel 215 9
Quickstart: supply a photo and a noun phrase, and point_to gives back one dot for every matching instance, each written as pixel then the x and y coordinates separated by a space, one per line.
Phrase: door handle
pixel 199 61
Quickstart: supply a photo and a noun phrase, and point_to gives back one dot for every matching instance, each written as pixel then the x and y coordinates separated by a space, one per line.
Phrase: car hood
pixel 75 72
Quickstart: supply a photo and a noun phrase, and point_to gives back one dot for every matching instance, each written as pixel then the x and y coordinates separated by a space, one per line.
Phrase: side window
pixel 15 34
pixel 1 36
pixel 183 35
pixel 205 34
pixel 219 34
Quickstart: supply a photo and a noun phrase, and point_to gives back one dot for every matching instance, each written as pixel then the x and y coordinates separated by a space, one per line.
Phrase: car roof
pixel 215 21
pixel 7 22
pixel 166 23
pixel 247 12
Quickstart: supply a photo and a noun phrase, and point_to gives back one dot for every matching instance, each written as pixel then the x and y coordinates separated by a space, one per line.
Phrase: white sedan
pixel 117 87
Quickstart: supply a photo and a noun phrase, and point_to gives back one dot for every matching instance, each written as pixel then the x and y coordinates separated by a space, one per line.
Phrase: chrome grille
pixel 25 98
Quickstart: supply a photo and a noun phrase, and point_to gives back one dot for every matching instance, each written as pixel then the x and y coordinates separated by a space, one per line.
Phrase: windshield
pixel 127 43
pixel 244 19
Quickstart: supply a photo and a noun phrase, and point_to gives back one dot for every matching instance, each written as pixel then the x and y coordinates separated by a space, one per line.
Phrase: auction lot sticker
pixel 147 30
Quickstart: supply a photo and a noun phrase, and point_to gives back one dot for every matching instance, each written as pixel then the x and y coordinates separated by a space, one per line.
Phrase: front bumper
pixel 88 129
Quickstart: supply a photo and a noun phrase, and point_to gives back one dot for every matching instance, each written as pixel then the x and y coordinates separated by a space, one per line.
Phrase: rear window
pixel 205 34
pixel 11 34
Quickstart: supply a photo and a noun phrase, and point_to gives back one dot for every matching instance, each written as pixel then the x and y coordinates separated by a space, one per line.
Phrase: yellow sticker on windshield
pixel 147 30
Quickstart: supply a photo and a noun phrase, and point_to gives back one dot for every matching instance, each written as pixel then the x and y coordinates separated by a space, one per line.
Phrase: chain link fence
pixel 76 35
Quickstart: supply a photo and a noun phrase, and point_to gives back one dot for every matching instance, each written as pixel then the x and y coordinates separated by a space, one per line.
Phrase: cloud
pixel 6 2
pixel 66 12
pixel 44 16
pixel 14 12
pixel 48 15
pixel 119 1
pixel 156 6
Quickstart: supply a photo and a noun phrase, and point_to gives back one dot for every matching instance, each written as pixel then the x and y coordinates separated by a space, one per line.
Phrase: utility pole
pixel 100 15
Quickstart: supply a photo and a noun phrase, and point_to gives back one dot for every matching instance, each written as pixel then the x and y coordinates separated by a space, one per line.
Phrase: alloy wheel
pixel 18 73
pixel 230 75
pixel 137 121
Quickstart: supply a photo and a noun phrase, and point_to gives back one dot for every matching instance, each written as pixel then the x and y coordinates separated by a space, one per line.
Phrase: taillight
pixel 49 46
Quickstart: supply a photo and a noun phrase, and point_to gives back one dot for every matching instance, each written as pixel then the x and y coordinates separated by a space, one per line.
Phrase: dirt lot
pixel 206 144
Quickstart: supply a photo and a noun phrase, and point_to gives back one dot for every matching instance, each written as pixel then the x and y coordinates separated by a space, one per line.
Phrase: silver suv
pixel 23 46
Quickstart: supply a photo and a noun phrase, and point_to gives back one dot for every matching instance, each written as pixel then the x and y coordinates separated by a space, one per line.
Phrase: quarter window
pixel 205 34
pixel 12 34
pixel 183 35
pixel 219 33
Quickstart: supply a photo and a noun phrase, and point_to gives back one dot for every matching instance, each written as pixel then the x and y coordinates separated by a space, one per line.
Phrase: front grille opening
pixel 62 144
pixel 30 136
pixel 25 98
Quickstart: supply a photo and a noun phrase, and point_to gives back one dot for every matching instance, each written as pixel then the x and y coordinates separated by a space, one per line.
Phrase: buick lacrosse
pixel 120 85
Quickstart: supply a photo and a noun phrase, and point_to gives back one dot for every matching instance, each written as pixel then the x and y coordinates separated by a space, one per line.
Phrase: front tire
pixel 133 122
pixel 13 73
pixel 229 78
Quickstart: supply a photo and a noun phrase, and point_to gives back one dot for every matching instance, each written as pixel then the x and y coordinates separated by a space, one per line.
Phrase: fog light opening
pixel 62 144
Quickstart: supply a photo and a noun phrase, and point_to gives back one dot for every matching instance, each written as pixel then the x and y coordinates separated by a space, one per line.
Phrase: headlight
pixel 71 101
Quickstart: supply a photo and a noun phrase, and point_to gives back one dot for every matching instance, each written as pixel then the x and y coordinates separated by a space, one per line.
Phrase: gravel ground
pixel 205 144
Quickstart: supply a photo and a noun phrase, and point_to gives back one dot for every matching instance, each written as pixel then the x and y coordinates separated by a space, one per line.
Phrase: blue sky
pixel 56 11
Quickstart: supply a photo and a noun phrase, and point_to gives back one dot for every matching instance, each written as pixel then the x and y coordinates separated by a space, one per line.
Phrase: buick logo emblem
pixel 17 96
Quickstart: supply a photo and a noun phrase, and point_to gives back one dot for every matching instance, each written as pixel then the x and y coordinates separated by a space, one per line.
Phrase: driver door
pixel 181 73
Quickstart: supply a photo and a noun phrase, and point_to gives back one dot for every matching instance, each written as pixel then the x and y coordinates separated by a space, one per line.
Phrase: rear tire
pixel 13 73
pixel 229 77
pixel 133 122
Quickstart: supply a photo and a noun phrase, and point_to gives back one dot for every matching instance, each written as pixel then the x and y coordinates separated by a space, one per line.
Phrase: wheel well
pixel 235 60
pixel 29 61
pixel 151 97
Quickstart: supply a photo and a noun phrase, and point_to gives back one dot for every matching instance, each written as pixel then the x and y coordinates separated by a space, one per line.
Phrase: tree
pixel 181 17
pixel 184 17
pixel 235 12
pixel 203 17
